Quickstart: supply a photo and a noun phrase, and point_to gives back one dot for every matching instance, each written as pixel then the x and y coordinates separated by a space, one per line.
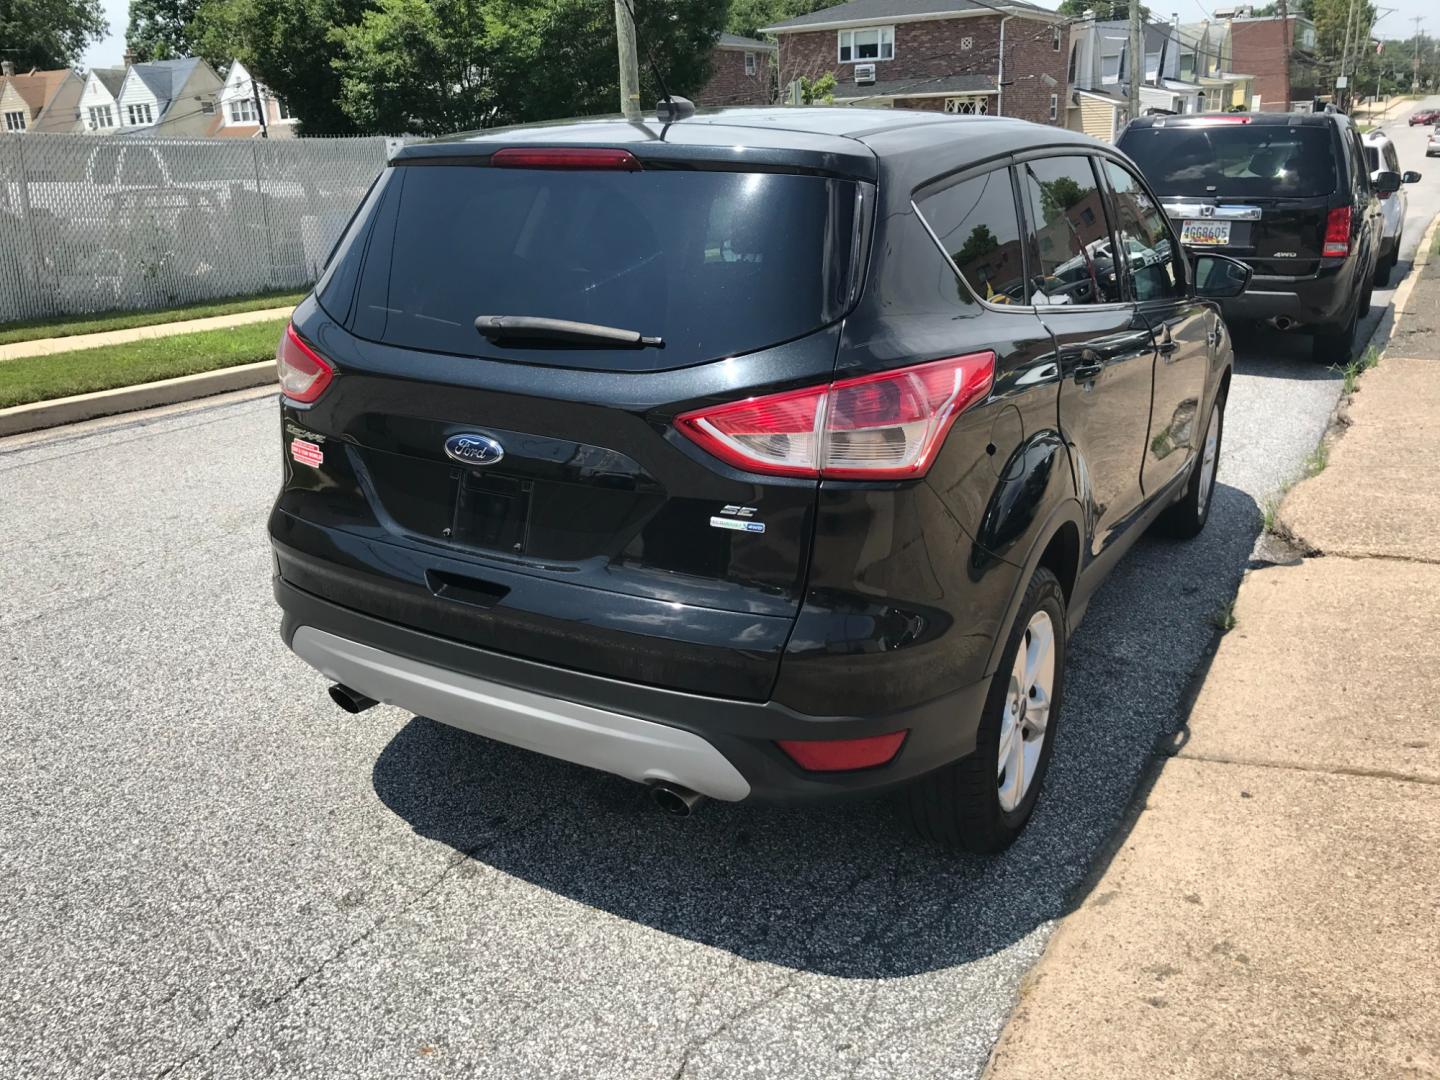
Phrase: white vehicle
pixel 1432 147
pixel 1380 157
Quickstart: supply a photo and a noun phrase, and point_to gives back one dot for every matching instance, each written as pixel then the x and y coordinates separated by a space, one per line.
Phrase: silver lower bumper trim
pixel 628 746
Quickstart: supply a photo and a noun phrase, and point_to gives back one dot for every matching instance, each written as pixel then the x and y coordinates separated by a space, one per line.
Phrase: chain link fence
pixel 91 223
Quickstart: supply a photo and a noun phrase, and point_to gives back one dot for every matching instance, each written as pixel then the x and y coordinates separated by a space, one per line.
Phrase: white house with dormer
pixel 239 114
pixel 168 97
pixel 99 114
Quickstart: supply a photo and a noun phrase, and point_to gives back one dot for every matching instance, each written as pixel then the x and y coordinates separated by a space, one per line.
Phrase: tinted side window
pixel 976 224
pixel 1146 246
pixel 1071 261
pixel 1359 175
pixel 1392 162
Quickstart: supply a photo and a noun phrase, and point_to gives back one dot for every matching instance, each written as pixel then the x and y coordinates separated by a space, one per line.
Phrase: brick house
pixel 1281 53
pixel 742 72
pixel 998 59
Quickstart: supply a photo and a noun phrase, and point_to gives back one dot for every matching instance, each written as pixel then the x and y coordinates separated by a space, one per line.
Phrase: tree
pixel 556 58
pixel 417 66
pixel 288 45
pixel 748 16
pixel 48 34
pixel 160 29
pixel 1105 10
pixel 979 243
pixel 819 91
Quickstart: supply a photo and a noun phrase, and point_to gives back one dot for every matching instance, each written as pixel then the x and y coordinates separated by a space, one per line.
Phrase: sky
pixel 1397 24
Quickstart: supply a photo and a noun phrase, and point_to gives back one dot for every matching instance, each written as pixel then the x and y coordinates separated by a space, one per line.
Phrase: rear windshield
pixel 714 263
pixel 1235 159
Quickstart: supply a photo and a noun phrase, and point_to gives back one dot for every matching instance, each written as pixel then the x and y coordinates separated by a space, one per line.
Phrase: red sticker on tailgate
pixel 306 453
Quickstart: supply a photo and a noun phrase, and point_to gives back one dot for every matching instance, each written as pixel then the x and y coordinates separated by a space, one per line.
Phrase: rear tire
pixel 1186 518
pixel 1364 310
pixel 963 805
pixel 1334 345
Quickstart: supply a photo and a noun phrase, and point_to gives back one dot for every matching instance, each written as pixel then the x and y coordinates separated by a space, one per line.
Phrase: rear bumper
pixel 720 747
pixel 1307 301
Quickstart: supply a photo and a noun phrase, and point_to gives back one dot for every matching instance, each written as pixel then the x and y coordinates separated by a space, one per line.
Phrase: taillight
pixel 304 373
pixel 1337 233
pixel 874 427
pixel 562 157
pixel 842 755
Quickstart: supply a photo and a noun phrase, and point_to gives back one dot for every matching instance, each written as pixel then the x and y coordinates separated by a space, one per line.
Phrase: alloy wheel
pixel 1027 711
pixel 1207 461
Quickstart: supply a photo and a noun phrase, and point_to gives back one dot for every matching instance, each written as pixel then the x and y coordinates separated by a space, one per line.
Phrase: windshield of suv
pixel 1235 159
pixel 714 263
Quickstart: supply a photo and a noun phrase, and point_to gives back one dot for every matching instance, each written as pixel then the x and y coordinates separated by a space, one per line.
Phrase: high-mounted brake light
pixel 886 426
pixel 1337 234
pixel 304 373
pixel 565 157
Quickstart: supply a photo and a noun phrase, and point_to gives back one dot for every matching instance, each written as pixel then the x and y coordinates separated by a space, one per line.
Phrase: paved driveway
pixel 208 870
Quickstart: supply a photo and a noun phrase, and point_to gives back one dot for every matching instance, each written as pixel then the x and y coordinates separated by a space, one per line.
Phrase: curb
pixel 70 410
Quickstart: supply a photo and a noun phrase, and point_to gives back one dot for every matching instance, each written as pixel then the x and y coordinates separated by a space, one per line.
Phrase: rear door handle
pixel 1087 370
pixel 1168 348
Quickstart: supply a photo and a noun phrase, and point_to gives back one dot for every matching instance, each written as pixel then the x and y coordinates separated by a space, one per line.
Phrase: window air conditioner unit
pixel 864 74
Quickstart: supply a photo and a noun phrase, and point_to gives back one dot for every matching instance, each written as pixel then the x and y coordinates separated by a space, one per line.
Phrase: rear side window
pixel 976 224
pixel 1372 157
pixel 1071 259
pixel 715 263
pixel 1235 159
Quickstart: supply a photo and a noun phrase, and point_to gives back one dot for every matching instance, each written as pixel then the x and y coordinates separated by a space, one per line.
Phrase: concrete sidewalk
pixel 1274 910
pixel 46 346
pixel 1396 107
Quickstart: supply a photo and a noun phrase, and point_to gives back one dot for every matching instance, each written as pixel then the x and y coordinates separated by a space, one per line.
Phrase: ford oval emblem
pixel 470 448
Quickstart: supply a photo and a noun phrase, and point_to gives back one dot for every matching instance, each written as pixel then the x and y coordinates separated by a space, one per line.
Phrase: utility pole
pixel 1415 66
pixel 260 109
pixel 1342 84
pixel 1137 58
pixel 629 64
pixel 1286 57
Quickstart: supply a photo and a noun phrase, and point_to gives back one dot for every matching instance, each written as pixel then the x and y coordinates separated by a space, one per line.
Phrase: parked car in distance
pixel 1380 156
pixel 1423 116
pixel 695 452
pixel 1288 193
pixel 1432 144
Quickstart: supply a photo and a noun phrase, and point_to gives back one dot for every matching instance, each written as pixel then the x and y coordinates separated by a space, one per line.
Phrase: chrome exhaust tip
pixel 674 799
pixel 352 701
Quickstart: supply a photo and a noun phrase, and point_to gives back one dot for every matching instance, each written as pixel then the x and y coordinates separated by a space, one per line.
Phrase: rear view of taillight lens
pixel 1337 233
pixel 304 373
pixel 884 426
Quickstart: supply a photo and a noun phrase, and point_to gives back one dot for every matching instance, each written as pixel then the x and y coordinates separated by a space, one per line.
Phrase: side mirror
pixel 1387 182
pixel 1219 277
pixel 1410 177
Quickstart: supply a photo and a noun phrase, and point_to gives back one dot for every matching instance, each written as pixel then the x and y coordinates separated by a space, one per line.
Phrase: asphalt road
pixel 208 870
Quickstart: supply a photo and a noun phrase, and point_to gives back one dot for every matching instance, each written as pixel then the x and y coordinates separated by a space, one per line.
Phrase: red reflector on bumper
pixel 842 755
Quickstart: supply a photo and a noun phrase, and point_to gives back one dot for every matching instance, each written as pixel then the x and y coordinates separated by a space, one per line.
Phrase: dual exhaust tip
pixel 671 798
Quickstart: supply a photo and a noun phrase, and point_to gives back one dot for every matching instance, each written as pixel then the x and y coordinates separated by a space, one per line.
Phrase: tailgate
pixel 1277 237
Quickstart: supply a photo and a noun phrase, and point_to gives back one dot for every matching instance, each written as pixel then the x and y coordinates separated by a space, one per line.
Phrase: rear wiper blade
pixel 528 329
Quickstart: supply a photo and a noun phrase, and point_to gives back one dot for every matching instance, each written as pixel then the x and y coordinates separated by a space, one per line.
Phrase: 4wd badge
pixel 737 518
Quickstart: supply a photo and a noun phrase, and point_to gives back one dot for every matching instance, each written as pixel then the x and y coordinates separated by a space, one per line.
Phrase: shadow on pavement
pixel 843 889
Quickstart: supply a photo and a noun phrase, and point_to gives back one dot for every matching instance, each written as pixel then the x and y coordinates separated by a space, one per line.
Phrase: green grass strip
pixel 68 326
pixel 41 378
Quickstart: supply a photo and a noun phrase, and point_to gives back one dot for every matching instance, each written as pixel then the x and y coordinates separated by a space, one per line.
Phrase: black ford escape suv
pixel 1290 194
pixel 768 454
